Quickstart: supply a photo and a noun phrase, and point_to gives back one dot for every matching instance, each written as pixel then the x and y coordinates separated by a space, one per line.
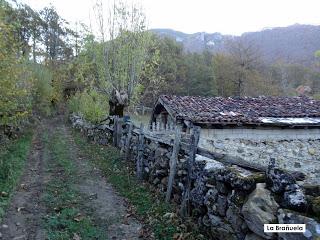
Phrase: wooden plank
pixel 139 163
pixel 228 159
pixel 173 162
pixel 155 137
pixel 127 151
pixel 223 158
pixel 185 205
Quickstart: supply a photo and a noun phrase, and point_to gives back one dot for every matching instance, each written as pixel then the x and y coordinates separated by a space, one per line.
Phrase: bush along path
pixel 63 196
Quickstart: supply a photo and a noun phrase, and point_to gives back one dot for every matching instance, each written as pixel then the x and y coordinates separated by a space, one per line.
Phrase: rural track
pixel 24 217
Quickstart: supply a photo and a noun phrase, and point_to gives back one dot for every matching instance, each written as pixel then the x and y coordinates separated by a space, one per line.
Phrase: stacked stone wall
pixel 227 201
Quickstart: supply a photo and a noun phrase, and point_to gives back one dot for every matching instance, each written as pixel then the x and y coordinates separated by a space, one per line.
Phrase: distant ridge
pixel 293 44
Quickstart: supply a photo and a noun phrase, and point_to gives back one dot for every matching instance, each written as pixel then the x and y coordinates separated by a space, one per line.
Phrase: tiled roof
pixel 246 110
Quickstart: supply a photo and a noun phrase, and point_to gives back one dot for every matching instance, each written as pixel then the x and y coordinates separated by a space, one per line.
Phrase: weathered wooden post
pixel 127 151
pixel 115 128
pixel 173 161
pixel 195 135
pixel 119 131
pixel 140 153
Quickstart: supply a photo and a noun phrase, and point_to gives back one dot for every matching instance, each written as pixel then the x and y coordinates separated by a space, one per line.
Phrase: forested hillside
pixel 45 61
pixel 292 44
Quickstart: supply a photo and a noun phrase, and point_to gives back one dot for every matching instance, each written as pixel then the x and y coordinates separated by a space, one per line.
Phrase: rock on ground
pixel 260 209
pixel 290 217
pixel 253 236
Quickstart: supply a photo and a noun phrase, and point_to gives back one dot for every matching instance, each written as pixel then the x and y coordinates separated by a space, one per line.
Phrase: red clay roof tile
pixel 239 110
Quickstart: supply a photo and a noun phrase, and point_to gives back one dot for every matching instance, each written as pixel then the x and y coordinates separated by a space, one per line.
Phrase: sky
pixel 225 16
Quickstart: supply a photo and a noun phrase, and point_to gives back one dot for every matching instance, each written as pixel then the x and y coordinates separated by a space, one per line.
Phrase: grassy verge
pixel 66 217
pixel 12 161
pixel 137 119
pixel 152 209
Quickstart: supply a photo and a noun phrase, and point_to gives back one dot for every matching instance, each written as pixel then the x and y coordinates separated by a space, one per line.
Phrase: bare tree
pixel 124 51
pixel 246 58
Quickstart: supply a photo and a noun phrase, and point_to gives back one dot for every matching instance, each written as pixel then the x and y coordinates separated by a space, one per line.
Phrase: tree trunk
pixel 34 50
pixel 118 101
pixel 116 109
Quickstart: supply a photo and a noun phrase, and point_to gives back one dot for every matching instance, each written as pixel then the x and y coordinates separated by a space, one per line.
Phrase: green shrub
pixel 316 96
pixel 43 90
pixel 92 105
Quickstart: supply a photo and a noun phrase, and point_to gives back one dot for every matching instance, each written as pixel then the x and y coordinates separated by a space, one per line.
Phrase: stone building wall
pixel 261 133
pixel 293 149
pixel 227 201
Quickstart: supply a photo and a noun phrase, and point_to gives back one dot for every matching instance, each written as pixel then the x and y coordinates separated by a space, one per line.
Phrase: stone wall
pixel 293 149
pixel 262 134
pixel 227 201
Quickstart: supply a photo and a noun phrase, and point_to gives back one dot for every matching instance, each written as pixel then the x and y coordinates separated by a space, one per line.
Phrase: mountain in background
pixel 292 44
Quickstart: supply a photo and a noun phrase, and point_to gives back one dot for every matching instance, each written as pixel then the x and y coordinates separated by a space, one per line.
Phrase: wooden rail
pixel 223 158
pixel 168 139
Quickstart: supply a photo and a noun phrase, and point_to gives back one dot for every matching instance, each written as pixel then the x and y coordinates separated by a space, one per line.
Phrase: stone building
pixel 254 130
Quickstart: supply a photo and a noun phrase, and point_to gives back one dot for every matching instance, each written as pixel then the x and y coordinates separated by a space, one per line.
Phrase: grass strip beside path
pixel 12 162
pixel 149 207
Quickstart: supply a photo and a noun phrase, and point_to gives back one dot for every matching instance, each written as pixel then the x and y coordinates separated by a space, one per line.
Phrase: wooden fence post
pixel 119 131
pixel 127 151
pixel 140 153
pixel 173 161
pixel 195 135
pixel 115 128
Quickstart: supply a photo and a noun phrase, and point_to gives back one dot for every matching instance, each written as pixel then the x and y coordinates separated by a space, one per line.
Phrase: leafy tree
pixel 14 90
pixel 199 75
pixel 55 35
pixel 162 70
pixel 224 75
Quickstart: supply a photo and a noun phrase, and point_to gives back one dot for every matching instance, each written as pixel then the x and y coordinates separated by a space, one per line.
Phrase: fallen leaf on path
pixel 141 233
pixel 19 209
pixel 57 209
pixel 181 236
pixel 178 236
pixel 76 237
pixel 93 196
pixel 78 218
pixel 4 194
pixel 20 237
pixel 169 215
pixel 125 221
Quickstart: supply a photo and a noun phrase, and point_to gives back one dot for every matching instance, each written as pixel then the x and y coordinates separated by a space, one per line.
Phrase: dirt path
pixel 25 215
pixel 109 208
